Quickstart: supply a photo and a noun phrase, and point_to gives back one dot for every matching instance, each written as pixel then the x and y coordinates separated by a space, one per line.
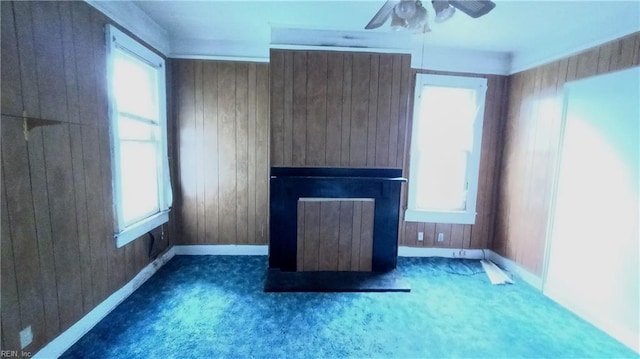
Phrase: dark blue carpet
pixel 214 306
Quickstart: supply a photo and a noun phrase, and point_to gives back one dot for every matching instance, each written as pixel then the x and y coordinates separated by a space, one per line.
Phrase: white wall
pixel 593 250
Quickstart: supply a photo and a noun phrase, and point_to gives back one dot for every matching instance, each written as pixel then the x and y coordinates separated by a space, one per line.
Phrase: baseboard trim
pixel 504 263
pixel 442 252
pixel 64 341
pixel 221 249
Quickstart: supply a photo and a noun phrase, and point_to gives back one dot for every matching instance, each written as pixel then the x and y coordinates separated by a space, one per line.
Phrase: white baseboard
pixel 442 252
pixel 507 264
pixel 222 249
pixel 64 341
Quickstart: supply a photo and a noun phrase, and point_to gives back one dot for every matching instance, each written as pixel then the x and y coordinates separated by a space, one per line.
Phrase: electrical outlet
pixel 420 236
pixel 440 237
pixel 26 337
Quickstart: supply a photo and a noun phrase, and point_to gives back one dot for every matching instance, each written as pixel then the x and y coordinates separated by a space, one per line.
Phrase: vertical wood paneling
pixel 356 235
pixel 211 143
pixel 22 226
pixel 457 236
pixel 445 229
pixel 199 153
pixel 95 206
pixel 43 230
pixel 69 60
pixel 58 252
pixel 242 148
pixel 394 126
pixel 534 114
pixel 366 235
pixel 316 110
pixel 11 87
pixel 311 237
pixel 410 233
pixel 338 109
pixel 329 235
pixel 383 128
pixel 222 112
pixel 11 324
pixel 262 155
pixel 360 93
pixel 372 123
pixel 277 64
pixel 185 103
pixel 287 132
pixel 27 57
pixel 335 71
pixel 335 234
pixel 47 42
pixel 429 235
pixel 83 50
pixel 346 110
pixel 64 225
pixel 82 220
pixel 300 239
pixel 299 126
pixel 251 154
pixel 346 232
pixel 227 151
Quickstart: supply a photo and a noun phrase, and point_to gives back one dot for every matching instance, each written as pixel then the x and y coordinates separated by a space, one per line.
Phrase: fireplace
pixel 289 185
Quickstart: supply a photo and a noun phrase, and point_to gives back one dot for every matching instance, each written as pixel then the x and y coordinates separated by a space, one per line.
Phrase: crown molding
pixel 131 17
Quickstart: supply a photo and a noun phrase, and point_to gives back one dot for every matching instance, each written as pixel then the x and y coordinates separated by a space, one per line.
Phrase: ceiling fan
pixel 412 15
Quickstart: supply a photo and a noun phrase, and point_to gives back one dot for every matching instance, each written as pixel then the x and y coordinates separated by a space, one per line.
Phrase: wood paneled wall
pixel 59 258
pixel 333 109
pixel 338 109
pixel 532 143
pixel 480 234
pixel 335 235
pixel 222 114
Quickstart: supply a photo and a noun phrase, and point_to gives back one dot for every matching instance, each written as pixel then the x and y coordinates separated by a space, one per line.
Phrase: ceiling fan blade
pixel 382 15
pixel 473 8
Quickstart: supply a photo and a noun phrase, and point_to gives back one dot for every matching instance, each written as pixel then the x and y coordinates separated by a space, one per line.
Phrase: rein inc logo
pixel 14 354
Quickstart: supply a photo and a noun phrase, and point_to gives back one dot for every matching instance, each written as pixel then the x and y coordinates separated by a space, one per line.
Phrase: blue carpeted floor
pixel 213 306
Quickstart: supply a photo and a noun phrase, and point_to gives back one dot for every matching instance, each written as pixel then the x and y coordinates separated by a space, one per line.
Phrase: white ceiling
pixel 526 30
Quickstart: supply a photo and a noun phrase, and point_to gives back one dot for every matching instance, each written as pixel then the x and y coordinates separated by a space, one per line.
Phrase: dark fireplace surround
pixel 289 184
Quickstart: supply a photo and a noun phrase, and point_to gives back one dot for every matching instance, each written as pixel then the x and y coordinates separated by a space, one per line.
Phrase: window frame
pixel 467 216
pixel 123 234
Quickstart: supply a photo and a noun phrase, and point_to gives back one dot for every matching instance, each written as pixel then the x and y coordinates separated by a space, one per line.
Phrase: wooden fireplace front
pixel 372 190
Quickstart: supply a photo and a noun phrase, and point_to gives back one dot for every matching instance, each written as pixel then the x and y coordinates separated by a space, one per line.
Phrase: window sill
pixel 454 217
pixel 136 230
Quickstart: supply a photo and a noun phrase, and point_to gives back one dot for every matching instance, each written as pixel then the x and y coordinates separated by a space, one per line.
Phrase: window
pixel 445 149
pixel 137 105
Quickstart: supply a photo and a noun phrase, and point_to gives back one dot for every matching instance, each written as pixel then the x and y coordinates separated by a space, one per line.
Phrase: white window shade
pixel 137 104
pixel 445 149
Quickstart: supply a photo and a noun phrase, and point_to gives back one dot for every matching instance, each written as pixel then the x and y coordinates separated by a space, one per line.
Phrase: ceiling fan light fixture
pixel 397 23
pixel 406 9
pixel 419 19
pixel 444 11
